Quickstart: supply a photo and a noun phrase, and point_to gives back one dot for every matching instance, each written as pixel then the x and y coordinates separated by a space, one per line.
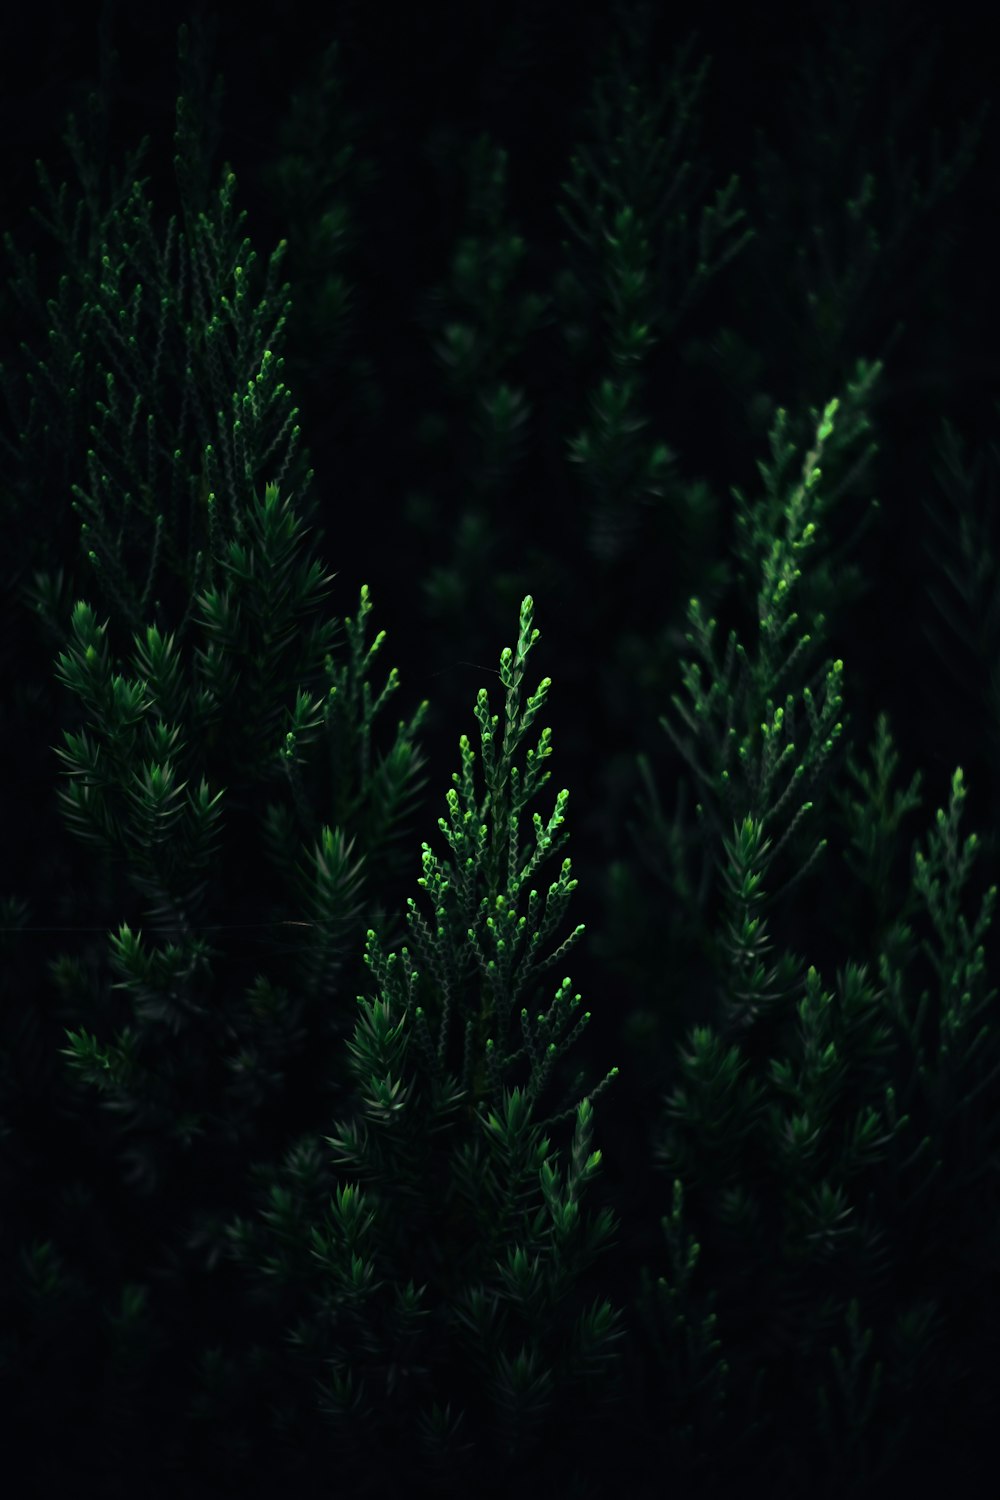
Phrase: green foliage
pixel 812 1122
pixel 957 956
pixel 632 199
pixel 457 1188
pixel 487 323
pixel 479 323
pixel 314 177
pixel 681 1326
pixel 160 359
pixel 736 712
pixel 193 1054
pixel 307 1242
pixel 125 798
pixel 790 516
pixel 873 822
pixel 842 237
pixel 963 625
pixel 819 1133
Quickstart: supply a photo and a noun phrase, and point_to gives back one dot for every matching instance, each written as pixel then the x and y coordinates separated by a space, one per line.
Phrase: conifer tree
pixel 224 786
pixel 824 1115
pixel 453 1183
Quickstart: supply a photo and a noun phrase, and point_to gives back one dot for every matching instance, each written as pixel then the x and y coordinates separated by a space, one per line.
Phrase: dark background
pixel 424 81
